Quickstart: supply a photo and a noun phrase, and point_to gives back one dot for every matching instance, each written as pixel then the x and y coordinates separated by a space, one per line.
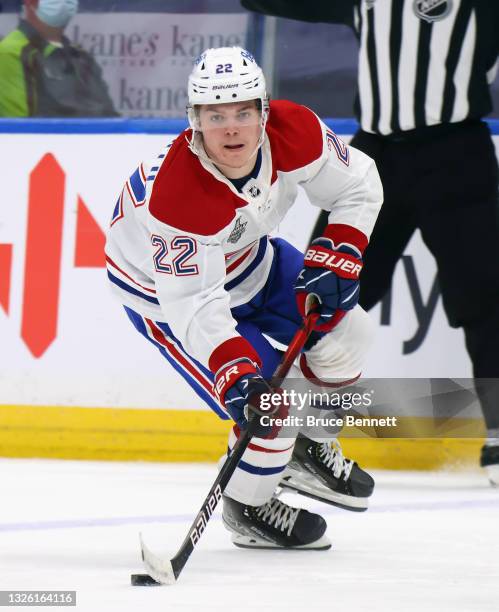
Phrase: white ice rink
pixel 430 542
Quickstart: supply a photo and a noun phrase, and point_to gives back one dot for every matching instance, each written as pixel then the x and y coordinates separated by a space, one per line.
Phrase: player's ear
pixel 193 115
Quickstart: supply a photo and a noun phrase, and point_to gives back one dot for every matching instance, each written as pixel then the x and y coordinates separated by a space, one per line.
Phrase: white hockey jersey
pixel 185 246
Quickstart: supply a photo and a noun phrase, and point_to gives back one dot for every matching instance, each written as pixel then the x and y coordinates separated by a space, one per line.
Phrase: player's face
pixel 230 135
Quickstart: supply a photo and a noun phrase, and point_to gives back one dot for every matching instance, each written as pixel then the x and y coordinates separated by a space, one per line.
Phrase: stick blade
pixel 160 569
pixel 143 580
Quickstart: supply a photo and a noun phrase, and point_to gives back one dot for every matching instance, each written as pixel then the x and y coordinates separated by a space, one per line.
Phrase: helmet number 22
pixel 223 68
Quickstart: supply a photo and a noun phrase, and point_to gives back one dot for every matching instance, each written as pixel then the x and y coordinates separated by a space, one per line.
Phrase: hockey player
pixel 190 258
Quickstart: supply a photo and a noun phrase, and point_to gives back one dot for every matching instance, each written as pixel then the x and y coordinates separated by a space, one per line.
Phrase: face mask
pixel 56 13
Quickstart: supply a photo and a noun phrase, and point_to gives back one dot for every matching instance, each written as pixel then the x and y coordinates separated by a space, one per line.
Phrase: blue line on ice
pixel 187 518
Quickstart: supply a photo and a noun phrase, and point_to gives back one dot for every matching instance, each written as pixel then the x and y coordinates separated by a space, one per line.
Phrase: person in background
pixel 42 74
pixel 425 70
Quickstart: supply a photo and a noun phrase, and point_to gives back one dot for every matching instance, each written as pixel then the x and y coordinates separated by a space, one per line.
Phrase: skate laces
pixel 332 457
pixel 279 514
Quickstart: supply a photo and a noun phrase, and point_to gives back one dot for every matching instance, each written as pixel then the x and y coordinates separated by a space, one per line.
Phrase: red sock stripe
pixel 261 449
pixel 309 375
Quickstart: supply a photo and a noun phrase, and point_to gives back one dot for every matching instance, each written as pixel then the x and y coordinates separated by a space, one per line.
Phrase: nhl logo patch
pixel 432 10
pixel 254 191
pixel 238 231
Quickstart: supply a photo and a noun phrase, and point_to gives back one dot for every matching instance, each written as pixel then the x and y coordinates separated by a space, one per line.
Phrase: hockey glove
pixel 331 275
pixel 246 395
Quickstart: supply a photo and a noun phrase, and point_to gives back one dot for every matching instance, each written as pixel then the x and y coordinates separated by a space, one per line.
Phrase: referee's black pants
pixel 443 181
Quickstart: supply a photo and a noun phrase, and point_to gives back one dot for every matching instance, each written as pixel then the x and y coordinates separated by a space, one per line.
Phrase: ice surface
pixel 430 541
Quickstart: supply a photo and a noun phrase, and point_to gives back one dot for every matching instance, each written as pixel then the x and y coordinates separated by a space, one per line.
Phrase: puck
pixel 143 580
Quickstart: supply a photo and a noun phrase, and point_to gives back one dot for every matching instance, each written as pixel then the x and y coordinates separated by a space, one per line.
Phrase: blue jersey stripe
pixel 193 383
pixel 262 248
pixel 116 211
pixel 131 290
pixel 140 326
pixel 138 187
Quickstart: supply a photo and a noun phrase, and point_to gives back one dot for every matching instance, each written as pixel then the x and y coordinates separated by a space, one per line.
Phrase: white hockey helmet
pixel 223 75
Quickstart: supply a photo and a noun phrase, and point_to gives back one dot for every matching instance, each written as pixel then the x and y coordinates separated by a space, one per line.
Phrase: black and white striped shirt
pixel 421 62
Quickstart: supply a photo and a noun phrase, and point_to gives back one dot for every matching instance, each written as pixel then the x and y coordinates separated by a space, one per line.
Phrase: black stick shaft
pixel 222 480
pixel 180 559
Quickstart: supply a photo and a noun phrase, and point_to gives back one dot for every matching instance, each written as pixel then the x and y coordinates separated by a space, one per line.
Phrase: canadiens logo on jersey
pixel 432 10
pixel 238 231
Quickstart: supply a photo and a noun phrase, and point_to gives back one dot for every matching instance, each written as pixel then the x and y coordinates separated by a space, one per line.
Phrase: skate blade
pixel 493 474
pixel 243 541
pixel 311 488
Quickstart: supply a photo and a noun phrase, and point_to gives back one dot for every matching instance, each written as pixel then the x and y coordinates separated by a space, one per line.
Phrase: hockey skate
pixel 319 470
pixel 274 525
pixel 489 459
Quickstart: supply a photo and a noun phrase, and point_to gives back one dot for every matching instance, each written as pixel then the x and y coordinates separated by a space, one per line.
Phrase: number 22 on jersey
pixel 180 264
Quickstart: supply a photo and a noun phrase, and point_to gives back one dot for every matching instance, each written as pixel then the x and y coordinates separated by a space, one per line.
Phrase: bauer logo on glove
pixel 331 276
pixel 340 262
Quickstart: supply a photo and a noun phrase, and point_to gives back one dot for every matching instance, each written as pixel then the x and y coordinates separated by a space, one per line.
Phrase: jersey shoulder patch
pixel 186 196
pixel 295 136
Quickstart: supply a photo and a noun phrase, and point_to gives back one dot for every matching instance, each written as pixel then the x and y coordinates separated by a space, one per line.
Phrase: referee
pixel 423 88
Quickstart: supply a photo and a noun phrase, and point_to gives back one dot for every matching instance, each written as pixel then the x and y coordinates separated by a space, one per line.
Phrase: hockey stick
pixel 164 571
